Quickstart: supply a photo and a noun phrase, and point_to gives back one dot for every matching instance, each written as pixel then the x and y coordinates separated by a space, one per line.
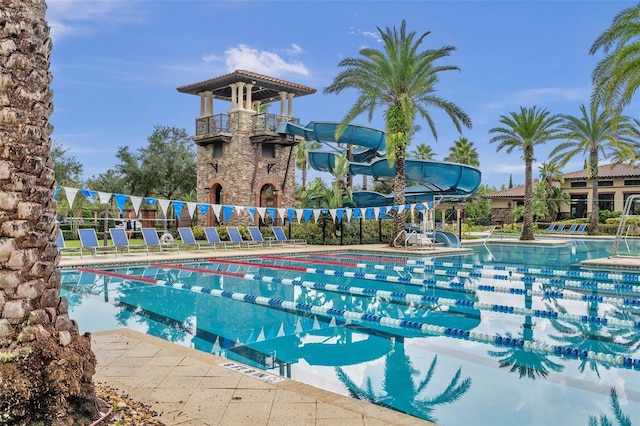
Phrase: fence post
pixel 341 232
pixel 360 220
pixel 324 227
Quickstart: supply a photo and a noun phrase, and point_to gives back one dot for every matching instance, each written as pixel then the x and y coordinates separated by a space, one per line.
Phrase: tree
pixel 617 76
pixel 47 366
pixel 463 152
pixel 166 168
pixel 402 79
pixel 67 170
pixel 423 152
pixel 302 158
pixel 551 175
pixel 524 130
pixel 596 134
pixel 510 180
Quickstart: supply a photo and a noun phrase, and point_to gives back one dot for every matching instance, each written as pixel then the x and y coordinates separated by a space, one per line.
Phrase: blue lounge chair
pixel 189 240
pixel 256 236
pixel 151 239
pixel 62 246
pixel 236 238
pixel 121 241
pixel 551 227
pixel 278 232
pixel 581 228
pixel 572 228
pixel 213 237
pixel 560 228
pixel 89 241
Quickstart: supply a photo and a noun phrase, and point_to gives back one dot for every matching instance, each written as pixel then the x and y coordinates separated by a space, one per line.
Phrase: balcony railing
pixel 265 122
pixel 213 124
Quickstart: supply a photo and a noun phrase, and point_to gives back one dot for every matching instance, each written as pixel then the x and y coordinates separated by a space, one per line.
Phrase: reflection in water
pixel 621 418
pixel 400 392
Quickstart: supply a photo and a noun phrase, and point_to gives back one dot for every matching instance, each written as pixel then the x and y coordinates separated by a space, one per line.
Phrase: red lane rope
pixel 363 258
pixel 119 275
pixel 260 265
pixel 203 270
pixel 317 261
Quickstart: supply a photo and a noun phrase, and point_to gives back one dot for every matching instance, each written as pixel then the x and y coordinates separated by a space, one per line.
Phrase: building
pixel 241 159
pixel 616 182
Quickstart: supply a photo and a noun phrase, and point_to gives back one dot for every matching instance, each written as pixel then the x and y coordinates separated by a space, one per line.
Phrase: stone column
pixel 256 105
pixel 248 100
pixel 202 104
pixel 233 96
pixel 283 95
pixel 209 103
pixel 290 106
pixel 240 85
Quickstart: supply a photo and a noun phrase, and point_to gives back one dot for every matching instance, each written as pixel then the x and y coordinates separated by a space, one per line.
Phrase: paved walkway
pixel 190 387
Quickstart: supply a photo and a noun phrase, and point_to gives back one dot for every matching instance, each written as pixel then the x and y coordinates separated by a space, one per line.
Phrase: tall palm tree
pixel 302 158
pixel 551 175
pixel 463 152
pixel 617 76
pixel 35 329
pixel 596 134
pixel 423 152
pixel 524 130
pixel 402 79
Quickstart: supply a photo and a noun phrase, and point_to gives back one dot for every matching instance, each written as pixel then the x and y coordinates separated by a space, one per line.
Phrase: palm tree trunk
pixel 527 221
pixel 595 210
pixel 35 329
pixel 399 186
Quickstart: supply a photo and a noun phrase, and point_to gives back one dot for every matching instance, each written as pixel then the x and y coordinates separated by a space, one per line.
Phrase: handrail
pixel 489 236
pixel 395 240
pixel 628 205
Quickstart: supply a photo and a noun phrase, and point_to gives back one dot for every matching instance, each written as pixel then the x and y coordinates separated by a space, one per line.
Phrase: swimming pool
pixel 509 334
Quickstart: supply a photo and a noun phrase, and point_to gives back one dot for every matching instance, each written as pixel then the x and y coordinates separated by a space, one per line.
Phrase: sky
pixel 116 65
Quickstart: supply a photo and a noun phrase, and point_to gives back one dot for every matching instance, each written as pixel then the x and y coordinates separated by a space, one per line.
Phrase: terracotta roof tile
pixel 607 171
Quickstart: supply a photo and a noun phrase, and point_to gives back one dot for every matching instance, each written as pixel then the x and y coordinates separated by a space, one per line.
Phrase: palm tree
pixel 302 158
pixel 617 76
pixel 402 79
pixel 423 152
pixel 596 133
pixel 37 334
pixel 551 174
pixel 621 418
pixel 463 152
pixel 524 130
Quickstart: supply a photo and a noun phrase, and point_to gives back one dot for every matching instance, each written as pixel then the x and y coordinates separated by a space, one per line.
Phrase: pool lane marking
pixel 380 320
pixel 512 278
pixel 609 276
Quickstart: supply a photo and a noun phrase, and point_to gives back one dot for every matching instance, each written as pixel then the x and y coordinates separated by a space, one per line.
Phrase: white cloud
pixel 294 50
pixel 542 96
pixel 244 57
pixel 67 17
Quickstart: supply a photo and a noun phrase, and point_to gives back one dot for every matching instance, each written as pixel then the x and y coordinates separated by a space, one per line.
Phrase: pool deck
pixel 190 387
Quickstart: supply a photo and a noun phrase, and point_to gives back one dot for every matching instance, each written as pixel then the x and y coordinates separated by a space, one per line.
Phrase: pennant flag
pixel 339 214
pixel 290 214
pixel 71 195
pixel 204 208
pixel 104 197
pixel 271 212
pixel 227 212
pixel 252 212
pixel 191 207
pixel 399 208
pixel 281 213
pixel 376 212
pixel 420 207
pixel 383 210
pixel 150 200
pixel 88 193
pixel 136 201
pixel 121 199
pixel 356 214
pixel 307 215
pixel 316 214
pixel 332 212
pixel 261 211
pixel 177 207
pixel 349 214
pixel 164 206
pixel 369 213
pixel 56 192
pixel 299 213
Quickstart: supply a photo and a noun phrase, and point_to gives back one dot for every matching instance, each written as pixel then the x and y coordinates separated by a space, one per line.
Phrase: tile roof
pixel 607 171
pixel 515 192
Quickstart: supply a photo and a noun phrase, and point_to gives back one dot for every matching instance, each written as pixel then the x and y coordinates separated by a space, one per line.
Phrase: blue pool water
pixel 508 334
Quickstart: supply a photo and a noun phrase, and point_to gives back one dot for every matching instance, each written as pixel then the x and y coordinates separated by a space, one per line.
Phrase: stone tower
pixel 242 160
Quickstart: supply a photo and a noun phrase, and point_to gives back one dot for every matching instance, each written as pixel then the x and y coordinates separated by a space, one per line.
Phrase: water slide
pixel 436 178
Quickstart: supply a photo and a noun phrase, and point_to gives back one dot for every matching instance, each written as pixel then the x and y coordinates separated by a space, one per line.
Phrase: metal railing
pixel 214 124
pixel 265 122
pixel 629 206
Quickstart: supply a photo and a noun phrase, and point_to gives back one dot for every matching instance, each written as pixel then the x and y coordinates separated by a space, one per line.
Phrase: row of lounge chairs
pixel 560 228
pixel 89 241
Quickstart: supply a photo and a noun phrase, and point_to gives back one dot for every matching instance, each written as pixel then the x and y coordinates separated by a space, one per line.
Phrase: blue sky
pixel 116 64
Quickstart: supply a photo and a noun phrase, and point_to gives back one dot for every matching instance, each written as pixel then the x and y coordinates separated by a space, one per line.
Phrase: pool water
pixel 508 334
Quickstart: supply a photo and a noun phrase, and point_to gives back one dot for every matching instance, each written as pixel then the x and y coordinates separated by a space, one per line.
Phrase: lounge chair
pixel 559 229
pixel 551 227
pixel 257 238
pixel 62 246
pixel 278 232
pixel 236 238
pixel 89 241
pixel 213 237
pixel 581 228
pixel 189 240
pixel 572 228
pixel 151 239
pixel 121 241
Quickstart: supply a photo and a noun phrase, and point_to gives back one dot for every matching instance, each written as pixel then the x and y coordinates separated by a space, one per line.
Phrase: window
pixel 632 182
pixel 579 184
pixel 605 202
pixel 268 150
pixel 578 205
pixel 217 149
pixel 605 183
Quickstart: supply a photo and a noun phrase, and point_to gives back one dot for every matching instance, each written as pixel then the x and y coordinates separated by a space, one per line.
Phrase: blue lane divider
pixel 381 320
